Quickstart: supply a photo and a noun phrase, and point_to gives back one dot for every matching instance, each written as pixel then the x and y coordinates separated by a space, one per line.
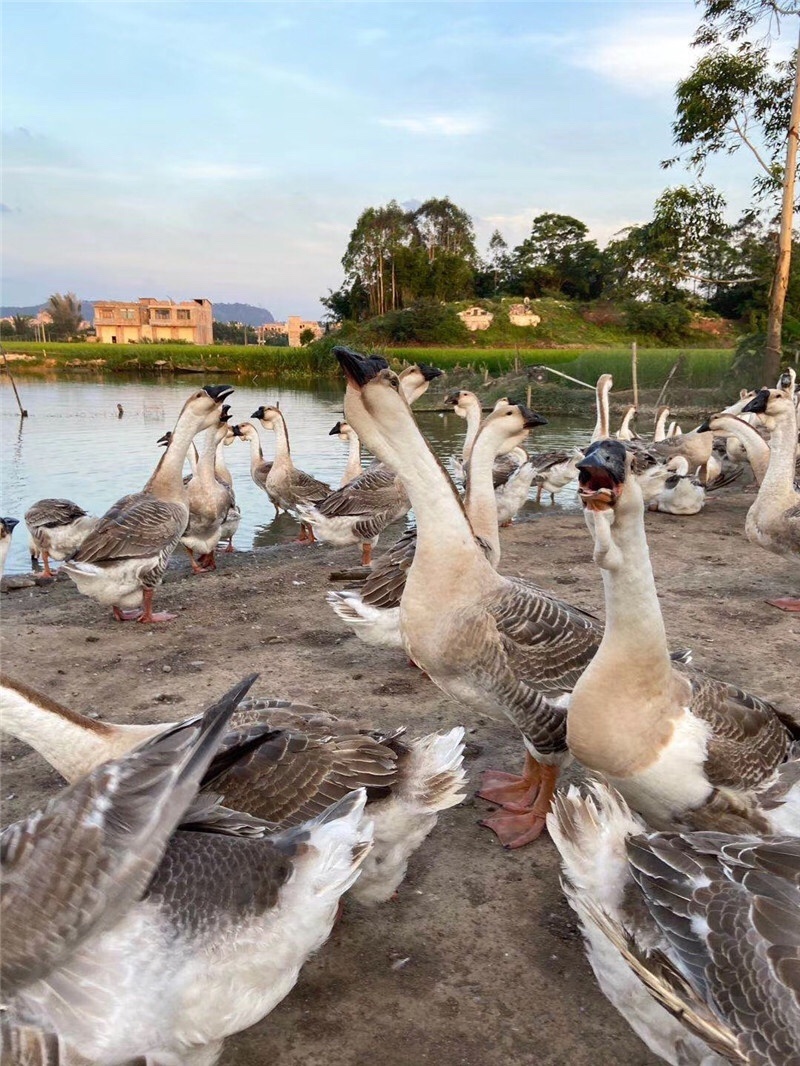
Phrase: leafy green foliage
pixel 667 321
pixel 65 311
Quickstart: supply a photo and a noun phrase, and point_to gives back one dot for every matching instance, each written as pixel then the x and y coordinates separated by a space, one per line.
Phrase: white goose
pixel 7 527
pixel 683 749
pixel 773 521
pixel 123 559
pixel 373 611
pixel 350 437
pixel 682 494
pixel 210 500
pixel 215 943
pixel 689 934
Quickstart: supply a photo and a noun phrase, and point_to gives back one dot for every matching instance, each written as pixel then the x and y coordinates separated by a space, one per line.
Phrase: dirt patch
pixel 478 962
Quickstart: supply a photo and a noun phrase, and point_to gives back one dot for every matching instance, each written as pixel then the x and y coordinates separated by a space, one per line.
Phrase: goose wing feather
pixel 53 512
pixel 137 526
pixel 376 490
pixel 308 487
pixel 730 910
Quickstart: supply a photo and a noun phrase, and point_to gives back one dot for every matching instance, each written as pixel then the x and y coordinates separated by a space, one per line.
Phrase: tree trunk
pixel 780 281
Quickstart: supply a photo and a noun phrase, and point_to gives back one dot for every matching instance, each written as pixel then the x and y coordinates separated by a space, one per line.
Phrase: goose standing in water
pixel 7 527
pixel 373 611
pixel 285 484
pixel 214 944
pixel 358 512
pixel 691 936
pixel 123 559
pixel 683 749
pixel 773 521
pixel 304 761
pixel 57 528
pixel 626 431
pixel 234 516
pixel 259 466
pixel 499 645
pixel 350 437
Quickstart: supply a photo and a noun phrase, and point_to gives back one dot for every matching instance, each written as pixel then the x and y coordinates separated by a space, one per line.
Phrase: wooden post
pixel 22 412
pixel 663 392
pixel 634 374
pixel 528 396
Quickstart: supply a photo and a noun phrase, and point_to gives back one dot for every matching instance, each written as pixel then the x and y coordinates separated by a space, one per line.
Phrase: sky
pixel 225 150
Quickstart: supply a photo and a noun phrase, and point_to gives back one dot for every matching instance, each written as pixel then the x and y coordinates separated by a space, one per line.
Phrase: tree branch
pixel 737 129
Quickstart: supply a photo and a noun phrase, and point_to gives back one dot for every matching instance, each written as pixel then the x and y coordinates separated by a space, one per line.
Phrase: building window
pixel 128 312
pixel 183 315
pixel 107 314
pixel 163 313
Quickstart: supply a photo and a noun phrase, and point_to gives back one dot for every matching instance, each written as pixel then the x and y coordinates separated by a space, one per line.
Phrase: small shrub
pixel 667 322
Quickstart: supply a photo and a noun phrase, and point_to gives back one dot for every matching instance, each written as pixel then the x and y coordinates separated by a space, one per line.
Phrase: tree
pixel 65 311
pixel 735 97
pixel 497 260
pixel 306 336
pixel 22 325
pixel 442 227
pixel 557 256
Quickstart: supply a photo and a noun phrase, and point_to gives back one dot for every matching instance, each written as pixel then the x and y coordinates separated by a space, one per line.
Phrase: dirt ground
pixel 478 962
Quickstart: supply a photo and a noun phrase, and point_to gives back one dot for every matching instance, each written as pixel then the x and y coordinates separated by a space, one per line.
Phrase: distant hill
pixel 249 314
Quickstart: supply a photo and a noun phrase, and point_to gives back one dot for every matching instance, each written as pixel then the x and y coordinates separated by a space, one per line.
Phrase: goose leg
pixel 197 566
pixel 366 554
pixel 46 571
pixel 515 830
pixel 230 547
pixel 512 789
pixel 208 562
pixel 126 616
pixel 306 534
pixel 539 493
pixel 147 614
pixel 785 603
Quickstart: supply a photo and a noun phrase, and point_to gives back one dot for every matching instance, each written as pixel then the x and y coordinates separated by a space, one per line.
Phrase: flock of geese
pixel 170 894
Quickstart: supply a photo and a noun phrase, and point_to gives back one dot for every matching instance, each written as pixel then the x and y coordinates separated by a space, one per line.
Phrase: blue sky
pixel 226 150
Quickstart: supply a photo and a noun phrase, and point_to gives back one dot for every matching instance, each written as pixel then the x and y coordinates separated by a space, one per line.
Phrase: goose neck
pixel 480 501
pixel 167 478
pixel 779 477
pixel 283 455
pixel 473 425
pixel 353 468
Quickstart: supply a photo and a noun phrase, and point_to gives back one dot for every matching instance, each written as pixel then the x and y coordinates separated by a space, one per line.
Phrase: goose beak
pixel 429 372
pixel 259 413
pixel 9 524
pixel 758 405
pixel 452 397
pixel 704 426
pixel 359 369
pixel 336 430
pixel 601 475
pixel 218 393
pixel 164 441
pixel 225 415
pixel 531 418
pixel 236 431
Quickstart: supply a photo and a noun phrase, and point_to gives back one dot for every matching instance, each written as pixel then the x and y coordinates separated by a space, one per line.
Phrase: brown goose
pixel 308 761
pixel 56 528
pixel 123 559
pixel 499 645
pixel 683 749
pixel 210 499
pixel 691 936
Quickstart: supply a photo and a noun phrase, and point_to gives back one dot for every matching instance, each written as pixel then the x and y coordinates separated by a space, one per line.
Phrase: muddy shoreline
pixel 478 962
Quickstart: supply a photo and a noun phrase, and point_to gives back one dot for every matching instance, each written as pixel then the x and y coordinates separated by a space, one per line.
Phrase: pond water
pixel 74 445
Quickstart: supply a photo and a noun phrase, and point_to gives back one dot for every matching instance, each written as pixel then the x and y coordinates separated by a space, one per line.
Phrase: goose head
pixel 772 404
pixel 163 442
pixel 245 431
pixel 343 430
pixel 507 427
pixel 414 380
pixel 374 402
pixel 269 417
pixel 203 407
pixel 7 526
pixel 463 401
pixel 609 494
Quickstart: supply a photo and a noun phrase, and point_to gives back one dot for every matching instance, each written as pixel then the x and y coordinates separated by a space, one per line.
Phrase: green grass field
pixel 699 367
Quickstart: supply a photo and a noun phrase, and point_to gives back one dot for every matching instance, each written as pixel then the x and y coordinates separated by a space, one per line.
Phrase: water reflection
pixel 74 445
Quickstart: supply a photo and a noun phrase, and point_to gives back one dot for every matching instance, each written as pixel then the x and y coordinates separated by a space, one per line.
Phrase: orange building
pixel 118 322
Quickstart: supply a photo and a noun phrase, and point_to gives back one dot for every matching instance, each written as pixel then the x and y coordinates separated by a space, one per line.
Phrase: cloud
pixel 645 54
pixel 437 125
pixel 201 171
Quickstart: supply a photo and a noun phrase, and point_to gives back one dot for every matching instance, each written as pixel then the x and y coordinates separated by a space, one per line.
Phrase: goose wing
pixel 307 762
pixel 53 512
pixel 308 487
pixel 749 738
pixel 376 490
pixel 72 868
pixel 384 587
pixel 137 526
pixel 729 908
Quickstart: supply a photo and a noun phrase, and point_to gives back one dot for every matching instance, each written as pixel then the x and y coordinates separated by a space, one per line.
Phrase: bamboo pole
pixel 22 412
pixel 528 396
pixel 664 387
pixel 635 373
pixel 561 374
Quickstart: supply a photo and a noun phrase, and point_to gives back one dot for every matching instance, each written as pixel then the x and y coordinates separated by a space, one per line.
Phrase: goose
pixel 373 611
pixel 468 406
pixel 626 431
pixel 601 426
pixel 742 441
pixel 259 466
pixel 496 644
pixel 773 521
pixel 232 519
pixel 553 471
pixel 286 485
pixel 7 527
pixel 309 760
pixel 57 528
pixel 123 559
pixel 691 936
pixel 682 494
pixel 358 512
pixel 210 500
pixel 216 941
pixel 683 749
pixel 350 437
pixel 659 431
pixel 674 431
